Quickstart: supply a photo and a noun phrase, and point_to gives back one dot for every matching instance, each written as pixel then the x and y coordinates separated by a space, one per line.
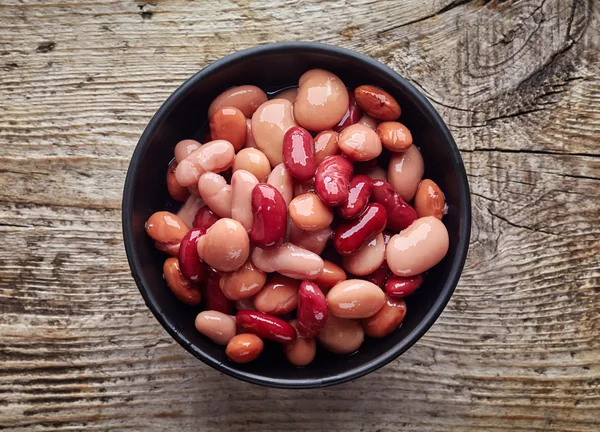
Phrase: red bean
pixel 358 197
pixel 299 153
pixel 270 216
pixel 332 180
pixel 265 326
pixel 205 218
pixel 214 299
pixel 312 309
pixel 353 235
pixel 379 276
pixel 400 215
pixel 352 116
pixel 398 286
pixel 191 265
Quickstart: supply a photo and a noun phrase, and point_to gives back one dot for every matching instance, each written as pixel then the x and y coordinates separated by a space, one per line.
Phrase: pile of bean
pixel 290 231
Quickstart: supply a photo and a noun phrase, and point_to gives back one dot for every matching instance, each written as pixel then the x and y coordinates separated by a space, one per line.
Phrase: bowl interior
pixel 272 68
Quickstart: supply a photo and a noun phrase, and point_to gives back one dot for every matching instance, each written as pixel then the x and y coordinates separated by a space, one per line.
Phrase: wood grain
pixel 518 347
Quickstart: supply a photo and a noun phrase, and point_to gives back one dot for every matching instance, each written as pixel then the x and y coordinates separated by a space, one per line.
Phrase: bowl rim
pixel 447 290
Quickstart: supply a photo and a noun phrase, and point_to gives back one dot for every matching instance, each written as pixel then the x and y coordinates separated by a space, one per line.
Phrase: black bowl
pixel 273 67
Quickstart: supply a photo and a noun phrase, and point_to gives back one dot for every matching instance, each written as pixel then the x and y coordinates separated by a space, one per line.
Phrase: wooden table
pixel 518 347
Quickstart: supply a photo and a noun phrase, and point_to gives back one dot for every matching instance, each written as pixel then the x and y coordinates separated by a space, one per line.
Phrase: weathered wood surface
pixel 517 349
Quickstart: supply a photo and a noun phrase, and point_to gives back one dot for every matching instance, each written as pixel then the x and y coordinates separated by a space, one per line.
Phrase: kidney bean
pixel 322 100
pixel 387 319
pixel 282 180
pixel 228 123
pixel 314 241
pixel 270 216
pixel 377 103
pixel 289 260
pixel 287 94
pixel 167 230
pixel 191 265
pixel 367 259
pixel 244 348
pixel 331 275
pixel 176 191
pixel 254 161
pixel 250 143
pixel 225 246
pixel 246 98
pixel 429 200
pixel 265 326
pixel 278 297
pixel 394 136
pixel 368 121
pixel 214 299
pixel 302 351
pixel 242 184
pixel 217 326
pixel 214 156
pixel 332 180
pixel 184 148
pixel 359 143
pixel 270 122
pixel 217 194
pixel 326 144
pixel 183 289
pixel 242 283
pixel 399 214
pixel 351 116
pixel 405 172
pixel 379 276
pixel 399 286
pixel 300 188
pixel 359 193
pixel 353 235
pixel 417 248
pixel 312 309
pixel 299 153
pixel 309 213
pixel 205 218
pixel 188 210
pixel 246 304
pixel 355 298
pixel 341 336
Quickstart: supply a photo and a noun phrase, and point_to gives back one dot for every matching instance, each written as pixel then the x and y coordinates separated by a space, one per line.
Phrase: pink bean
pixel 265 326
pixel 398 286
pixel 242 184
pixel 312 309
pixel 289 260
pixel 400 215
pixel 190 263
pixel 188 210
pixel 314 241
pixel 353 235
pixel 270 216
pixel 215 156
pixel 299 153
pixel 184 148
pixel 217 194
pixel 332 180
pixel 358 197
pixel 282 180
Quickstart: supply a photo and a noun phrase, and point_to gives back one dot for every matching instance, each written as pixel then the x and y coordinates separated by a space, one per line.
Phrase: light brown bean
pixel 341 336
pixel 250 143
pixel 182 288
pixel 242 183
pixel 278 297
pixel 405 172
pixel 228 123
pixel 289 260
pixel 243 283
pixel 244 348
pixel 417 248
pixel 216 193
pixel 314 241
pixel 288 94
pixel 359 143
pixel 368 121
pixel 388 319
pixel 394 136
pixel 167 230
pixel 326 144
pixel 355 298
pixel 246 98
pixel 376 173
pixel 176 191
pixel 270 122
pixel 217 326
pixel 254 161
pixel 331 275
pixel 283 181
pixel 185 148
pixel 225 246
pixel 429 200
pixel 302 351
pixel 215 156
pixel 309 213
pixel 367 259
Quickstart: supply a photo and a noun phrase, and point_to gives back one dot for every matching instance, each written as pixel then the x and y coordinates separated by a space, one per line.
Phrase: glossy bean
pixel 352 235
pixel 429 200
pixel 167 230
pixel 228 123
pixel 377 103
pixel 278 297
pixel 352 115
pixel 299 153
pixel 217 326
pixel 417 248
pixel 183 289
pixel 359 143
pixel 331 275
pixel 399 286
pixel 254 161
pixel 176 191
pixel 246 98
pixel 386 320
pixel 289 260
pixel 312 309
pixel 368 121
pixel 214 299
pixel 326 144
pixel 302 351
pixel 244 348
pixel 321 102
pixel 184 148
pixel 367 259
pixel 250 143
pixel 341 336
pixel 270 122
pixel 314 241
pixel 205 218
pixel 309 213
pixel 355 298
pixel 282 180
pixel 243 283
pixel 217 194
pixel 242 184
pixel 270 216
pixel 265 326
pixel 359 192
pixel 215 156
pixel 332 180
pixel 190 263
pixel 400 215
pixel 287 94
pixel 380 275
pixel 394 136
pixel 225 246
pixel 405 172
